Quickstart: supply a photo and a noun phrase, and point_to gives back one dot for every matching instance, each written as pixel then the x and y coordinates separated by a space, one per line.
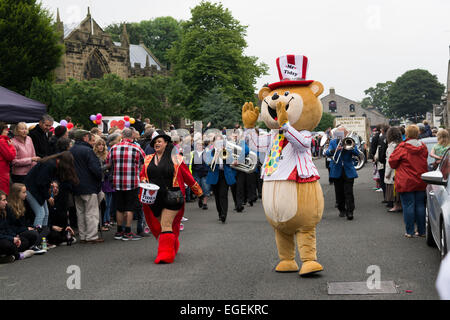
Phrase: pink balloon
pixel 99 116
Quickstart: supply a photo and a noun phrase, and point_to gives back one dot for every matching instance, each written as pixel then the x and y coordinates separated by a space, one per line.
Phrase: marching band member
pixel 220 177
pixel 343 173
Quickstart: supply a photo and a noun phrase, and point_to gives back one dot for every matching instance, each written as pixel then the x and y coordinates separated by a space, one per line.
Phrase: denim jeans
pixel 40 212
pixel 206 188
pixel 413 204
pixel 188 194
pixel 108 201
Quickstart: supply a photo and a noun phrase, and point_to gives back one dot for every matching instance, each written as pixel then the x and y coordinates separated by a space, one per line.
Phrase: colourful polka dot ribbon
pixel 274 156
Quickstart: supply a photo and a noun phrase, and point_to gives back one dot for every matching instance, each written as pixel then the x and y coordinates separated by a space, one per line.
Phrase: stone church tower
pixel 90 53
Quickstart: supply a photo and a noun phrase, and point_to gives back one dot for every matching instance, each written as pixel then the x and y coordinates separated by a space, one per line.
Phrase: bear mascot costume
pixel 292 196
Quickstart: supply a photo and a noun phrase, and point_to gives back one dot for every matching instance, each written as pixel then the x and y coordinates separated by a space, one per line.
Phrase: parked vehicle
pixel 438 206
pixel 430 142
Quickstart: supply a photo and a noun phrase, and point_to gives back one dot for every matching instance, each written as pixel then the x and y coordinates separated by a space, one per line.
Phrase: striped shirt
pixel 296 154
pixel 126 159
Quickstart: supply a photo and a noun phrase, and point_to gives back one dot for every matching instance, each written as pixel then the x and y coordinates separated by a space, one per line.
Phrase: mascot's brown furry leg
pixel 310 210
pixel 286 252
pixel 306 241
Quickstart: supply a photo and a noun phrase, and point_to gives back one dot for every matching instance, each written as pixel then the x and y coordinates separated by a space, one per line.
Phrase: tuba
pixel 247 166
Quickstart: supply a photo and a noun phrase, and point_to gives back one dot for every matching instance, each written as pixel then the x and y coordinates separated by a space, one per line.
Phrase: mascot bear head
pixel 299 96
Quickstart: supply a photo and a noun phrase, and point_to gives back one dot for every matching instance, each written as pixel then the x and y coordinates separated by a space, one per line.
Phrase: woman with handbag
pixel 167 170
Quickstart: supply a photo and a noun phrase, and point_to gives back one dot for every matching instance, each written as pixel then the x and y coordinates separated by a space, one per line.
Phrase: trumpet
pixel 348 143
pixel 250 161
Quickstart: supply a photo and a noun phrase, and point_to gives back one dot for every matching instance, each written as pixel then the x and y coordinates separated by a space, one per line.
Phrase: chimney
pixel 332 91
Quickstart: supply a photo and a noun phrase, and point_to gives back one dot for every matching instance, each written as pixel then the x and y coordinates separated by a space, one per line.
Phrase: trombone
pixel 348 143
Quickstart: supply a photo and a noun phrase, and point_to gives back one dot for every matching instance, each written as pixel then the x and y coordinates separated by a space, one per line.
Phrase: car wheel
pixel 443 241
pixel 429 234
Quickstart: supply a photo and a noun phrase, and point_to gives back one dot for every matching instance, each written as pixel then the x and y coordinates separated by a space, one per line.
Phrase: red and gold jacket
pixel 181 176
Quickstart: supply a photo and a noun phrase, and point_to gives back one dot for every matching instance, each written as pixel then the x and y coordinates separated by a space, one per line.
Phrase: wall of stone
pixel 343 109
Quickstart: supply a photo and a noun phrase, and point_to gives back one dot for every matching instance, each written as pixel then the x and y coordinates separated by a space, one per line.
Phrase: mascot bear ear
pixel 316 87
pixel 264 92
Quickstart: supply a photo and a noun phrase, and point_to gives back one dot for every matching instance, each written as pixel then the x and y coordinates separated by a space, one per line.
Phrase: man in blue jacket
pixel 221 178
pixel 343 173
pixel 89 171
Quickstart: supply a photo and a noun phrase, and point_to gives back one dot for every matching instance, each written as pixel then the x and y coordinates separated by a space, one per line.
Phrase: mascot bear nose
pixel 275 96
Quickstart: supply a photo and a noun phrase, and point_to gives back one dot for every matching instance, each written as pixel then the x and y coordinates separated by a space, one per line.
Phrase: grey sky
pixel 351 44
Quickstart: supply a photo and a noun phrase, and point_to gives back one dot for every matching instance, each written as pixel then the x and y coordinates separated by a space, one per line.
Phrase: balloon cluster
pixel 96 119
pixel 121 124
pixel 64 123
pixel 128 121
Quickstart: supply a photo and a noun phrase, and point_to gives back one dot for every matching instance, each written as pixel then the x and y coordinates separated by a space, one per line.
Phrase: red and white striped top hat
pixel 292 71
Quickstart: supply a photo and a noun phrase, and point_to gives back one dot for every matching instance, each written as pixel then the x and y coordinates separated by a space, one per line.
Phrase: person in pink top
pixel 7 154
pixel 26 156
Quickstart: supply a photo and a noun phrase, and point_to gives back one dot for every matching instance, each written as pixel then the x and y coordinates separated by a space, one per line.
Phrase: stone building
pixel 340 106
pixel 446 107
pixel 90 53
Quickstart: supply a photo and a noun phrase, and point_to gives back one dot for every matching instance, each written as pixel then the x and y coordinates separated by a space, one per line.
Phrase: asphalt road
pixel 236 260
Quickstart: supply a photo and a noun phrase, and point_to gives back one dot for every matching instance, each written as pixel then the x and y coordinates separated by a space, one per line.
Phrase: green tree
pixel 133 29
pixel 158 35
pixel 326 122
pixel 217 108
pixel 414 93
pixel 111 96
pixel 28 44
pixel 210 54
pixel 379 97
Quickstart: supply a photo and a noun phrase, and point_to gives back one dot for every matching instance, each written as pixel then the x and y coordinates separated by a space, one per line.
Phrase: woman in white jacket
pixel 394 138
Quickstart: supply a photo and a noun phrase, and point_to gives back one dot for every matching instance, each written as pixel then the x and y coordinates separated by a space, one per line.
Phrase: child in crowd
pixel 17 220
pixel 12 246
pixel 60 231
pixel 439 149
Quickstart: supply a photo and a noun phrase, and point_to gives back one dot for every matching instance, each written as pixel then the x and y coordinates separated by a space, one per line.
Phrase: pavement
pixel 236 260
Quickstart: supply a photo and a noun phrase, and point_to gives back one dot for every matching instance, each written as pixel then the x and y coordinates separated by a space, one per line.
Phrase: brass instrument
pixel 348 143
pixel 250 161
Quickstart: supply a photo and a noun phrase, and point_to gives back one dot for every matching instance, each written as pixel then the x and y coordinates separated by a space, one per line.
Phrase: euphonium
pixel 248 165
pixel 348 143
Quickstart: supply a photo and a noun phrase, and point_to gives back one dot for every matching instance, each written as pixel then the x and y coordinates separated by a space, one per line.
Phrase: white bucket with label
pixel 148 192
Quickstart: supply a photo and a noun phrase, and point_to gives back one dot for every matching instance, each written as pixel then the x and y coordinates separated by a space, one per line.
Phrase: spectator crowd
pixel 60 187
pixel 400 156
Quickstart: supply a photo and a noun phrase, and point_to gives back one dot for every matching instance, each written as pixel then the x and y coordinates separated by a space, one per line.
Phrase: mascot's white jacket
pixel 296 154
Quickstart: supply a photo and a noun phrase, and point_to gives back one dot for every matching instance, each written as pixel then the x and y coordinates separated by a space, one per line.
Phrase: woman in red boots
pixel 167 170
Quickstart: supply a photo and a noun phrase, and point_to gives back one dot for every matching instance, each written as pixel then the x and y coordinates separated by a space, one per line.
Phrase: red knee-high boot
pixel 166 248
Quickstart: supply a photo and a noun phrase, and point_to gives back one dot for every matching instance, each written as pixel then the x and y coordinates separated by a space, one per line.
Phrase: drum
pixel 148 192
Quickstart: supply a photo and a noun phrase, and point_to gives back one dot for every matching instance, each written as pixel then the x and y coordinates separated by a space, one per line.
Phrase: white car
pixel 438 206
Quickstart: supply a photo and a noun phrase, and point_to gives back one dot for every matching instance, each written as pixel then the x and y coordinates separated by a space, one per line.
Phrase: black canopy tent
pixel 16 108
